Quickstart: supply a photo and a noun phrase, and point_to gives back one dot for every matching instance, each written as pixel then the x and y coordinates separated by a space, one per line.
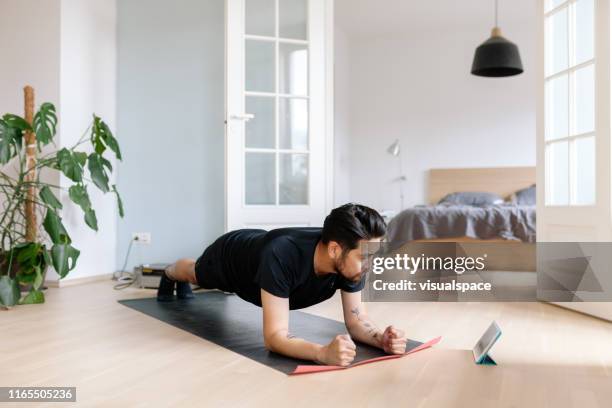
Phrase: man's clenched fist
pixel 340 351
pixel 393 341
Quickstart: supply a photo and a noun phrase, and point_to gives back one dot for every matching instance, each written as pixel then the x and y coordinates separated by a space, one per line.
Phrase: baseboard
pixel 78 281
pixel 591 309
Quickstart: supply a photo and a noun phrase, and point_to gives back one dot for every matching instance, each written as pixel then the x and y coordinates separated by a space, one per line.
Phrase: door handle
pixel 245 117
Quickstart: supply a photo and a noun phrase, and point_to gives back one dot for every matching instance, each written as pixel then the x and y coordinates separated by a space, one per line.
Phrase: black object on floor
pixel 236 325
pixel 183 290
pixel 165 291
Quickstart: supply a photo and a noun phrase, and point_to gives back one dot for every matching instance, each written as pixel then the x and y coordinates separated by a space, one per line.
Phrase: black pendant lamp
pixel 497 57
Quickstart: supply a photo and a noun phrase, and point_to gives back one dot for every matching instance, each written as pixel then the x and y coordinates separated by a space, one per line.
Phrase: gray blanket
pixel 512 222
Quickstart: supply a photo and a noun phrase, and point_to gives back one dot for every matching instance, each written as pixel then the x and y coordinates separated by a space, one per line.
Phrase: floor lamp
pixel 395 150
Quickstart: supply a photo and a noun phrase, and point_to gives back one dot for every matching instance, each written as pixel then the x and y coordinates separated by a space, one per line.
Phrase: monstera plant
pixel 27 151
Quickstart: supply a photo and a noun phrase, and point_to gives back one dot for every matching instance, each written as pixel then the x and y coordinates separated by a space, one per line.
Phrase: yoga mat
pixel 236 325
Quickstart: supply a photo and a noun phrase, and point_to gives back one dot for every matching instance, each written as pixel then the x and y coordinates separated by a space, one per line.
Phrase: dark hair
pixel 350 223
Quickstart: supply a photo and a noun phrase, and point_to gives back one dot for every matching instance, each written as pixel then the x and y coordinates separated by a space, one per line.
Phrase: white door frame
pixel 580 223
pixel 328 113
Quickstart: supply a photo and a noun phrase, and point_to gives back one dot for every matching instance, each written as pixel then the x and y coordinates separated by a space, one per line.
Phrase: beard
pixel 340 266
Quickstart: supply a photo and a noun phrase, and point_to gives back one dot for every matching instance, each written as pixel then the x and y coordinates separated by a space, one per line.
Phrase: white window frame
pixel 571 137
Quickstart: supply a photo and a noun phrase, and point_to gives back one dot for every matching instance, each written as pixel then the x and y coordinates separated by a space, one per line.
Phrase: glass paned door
pixel 574 127
pixel 276 140
pixel 570 131
pixel 276 95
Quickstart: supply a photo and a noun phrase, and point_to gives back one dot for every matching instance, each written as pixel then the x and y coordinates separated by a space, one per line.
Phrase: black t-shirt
pixel 279 261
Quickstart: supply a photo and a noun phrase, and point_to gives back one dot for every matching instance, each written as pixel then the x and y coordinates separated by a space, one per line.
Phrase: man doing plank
pixel 293 268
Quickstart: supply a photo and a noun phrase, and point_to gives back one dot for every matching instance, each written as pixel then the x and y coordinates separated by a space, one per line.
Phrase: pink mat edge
pixel 309 369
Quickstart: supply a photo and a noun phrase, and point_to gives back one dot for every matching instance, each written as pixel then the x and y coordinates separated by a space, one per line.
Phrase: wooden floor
pixel 118 357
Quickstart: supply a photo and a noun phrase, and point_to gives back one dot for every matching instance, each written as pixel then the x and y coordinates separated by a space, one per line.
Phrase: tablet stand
pixel 486 360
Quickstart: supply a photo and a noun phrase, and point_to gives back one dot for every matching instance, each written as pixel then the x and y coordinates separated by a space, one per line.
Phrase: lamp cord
pixel 496 7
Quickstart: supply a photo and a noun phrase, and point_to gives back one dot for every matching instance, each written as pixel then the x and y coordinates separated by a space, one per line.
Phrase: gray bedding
pixel 511 222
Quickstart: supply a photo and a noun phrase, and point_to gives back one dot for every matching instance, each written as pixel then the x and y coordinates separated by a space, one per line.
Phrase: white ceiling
pixel 376 17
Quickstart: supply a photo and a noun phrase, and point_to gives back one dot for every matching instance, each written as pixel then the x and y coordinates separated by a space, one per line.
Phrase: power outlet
pixel 142 237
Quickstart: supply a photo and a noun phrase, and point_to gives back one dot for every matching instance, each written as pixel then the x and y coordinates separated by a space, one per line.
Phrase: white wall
pixel 29 42
pixel 171 94
pixel 415 85
pixel 411 83
pixel 342 118
pixel 29 34
pixel 66 49
pixel 34 57
pixel 171 126
pixel 88 85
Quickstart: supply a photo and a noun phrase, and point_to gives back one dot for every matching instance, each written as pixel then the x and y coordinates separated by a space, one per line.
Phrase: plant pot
pixel 4 265
pixel 26 288
pixel 15 269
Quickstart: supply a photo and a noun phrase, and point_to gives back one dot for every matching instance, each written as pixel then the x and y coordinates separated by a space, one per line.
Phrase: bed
pixel 508 223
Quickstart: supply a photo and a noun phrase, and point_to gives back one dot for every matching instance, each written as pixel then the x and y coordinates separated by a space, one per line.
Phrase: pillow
pixel 526 196
pixel 474 198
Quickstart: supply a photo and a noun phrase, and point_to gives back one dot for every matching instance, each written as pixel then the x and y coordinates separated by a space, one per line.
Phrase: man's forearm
pixel 287 344
pixel 362 328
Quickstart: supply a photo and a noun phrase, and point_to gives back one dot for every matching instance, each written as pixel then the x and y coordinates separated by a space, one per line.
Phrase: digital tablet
pixel 486 342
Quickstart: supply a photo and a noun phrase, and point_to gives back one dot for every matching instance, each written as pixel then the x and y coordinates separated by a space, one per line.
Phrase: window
pixel 569 128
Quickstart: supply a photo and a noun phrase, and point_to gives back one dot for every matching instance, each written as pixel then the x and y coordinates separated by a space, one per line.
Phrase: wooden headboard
pixel 501 180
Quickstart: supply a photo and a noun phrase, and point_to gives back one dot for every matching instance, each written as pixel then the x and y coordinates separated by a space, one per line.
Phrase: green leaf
pixel 78 194
pixel 119 201
pixel 29 256
pixel 47 257
pixel 45 123
pixel 71 164
pixel 96 135
pixel 32 276
pixel 39 278
pixel 33 297
pixel 91 220
pixel 27 253
pixel 106 164
pixel 64 258
pixel 80 157
pixel 99 146
pixel 110 141
pixel 98 173
pixel 26 278
pixel 10 142
pixel 102 137
pixel 47 196
pixel 9 291
pixel 54 227
pixel 16 122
